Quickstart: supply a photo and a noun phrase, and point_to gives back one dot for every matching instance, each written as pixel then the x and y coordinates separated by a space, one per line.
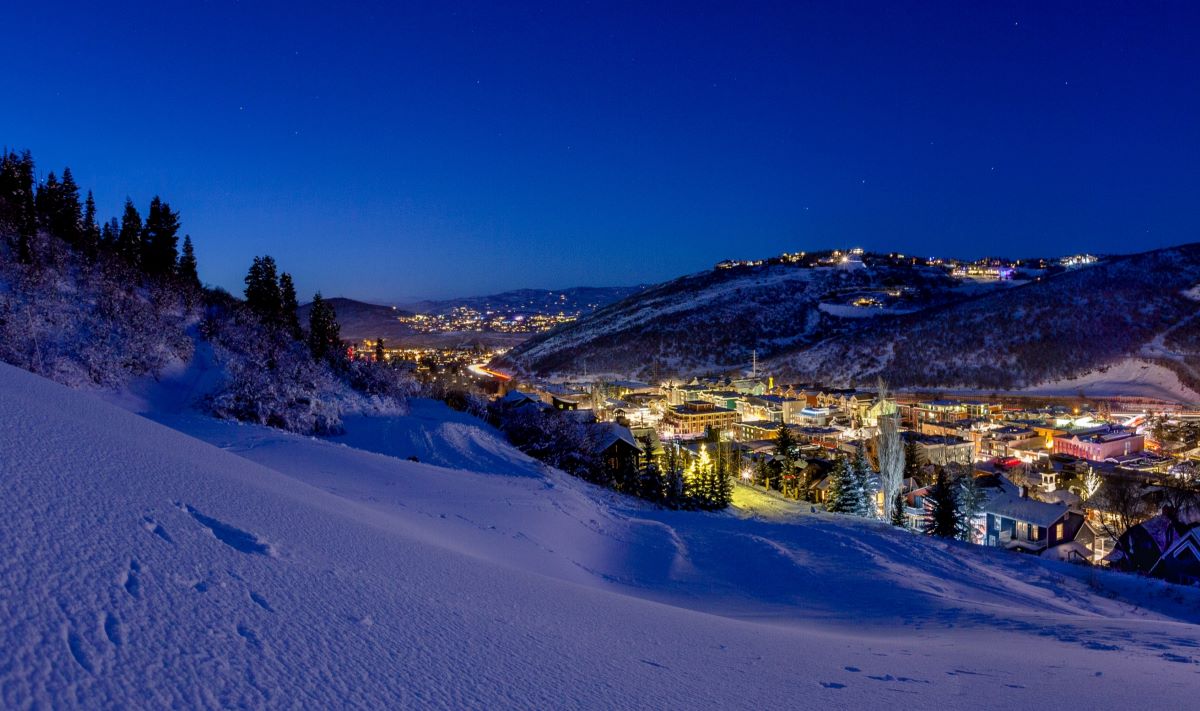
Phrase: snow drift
pixel 243 566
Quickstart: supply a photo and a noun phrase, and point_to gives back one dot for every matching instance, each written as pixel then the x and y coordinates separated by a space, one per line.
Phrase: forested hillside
pixel 95 303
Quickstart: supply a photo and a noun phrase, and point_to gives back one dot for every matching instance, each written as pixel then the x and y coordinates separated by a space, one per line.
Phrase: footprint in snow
pixel 232 536
pixel 832 685
pixel 113 629
pixel 156 528
pixel 131 580
pixel 261 601
pixel 79 653
pixel 250 637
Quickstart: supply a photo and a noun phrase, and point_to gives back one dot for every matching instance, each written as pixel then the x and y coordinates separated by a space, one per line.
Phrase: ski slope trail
pixel 230 565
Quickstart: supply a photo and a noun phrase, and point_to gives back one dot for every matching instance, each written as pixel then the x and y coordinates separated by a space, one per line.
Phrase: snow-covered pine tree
pixel 970 503
pixel 942 519
pixel 865 484
pixel 841 492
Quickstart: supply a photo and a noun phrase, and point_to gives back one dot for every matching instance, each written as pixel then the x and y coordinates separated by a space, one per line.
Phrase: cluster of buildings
pixel 467 319
pixel 1038 467
pixel 987 268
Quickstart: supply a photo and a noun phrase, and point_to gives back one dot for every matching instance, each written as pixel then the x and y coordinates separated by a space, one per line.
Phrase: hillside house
pixel 1016 522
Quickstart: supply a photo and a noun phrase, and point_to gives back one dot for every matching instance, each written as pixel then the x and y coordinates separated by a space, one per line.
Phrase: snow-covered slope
pixel 713 320
pixel 242 566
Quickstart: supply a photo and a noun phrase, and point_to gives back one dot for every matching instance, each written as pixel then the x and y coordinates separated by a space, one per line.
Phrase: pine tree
pixel 46 202
pixel 785 454
pixel 129 237
pixel 109 234
pixel 912 460
pixel 160 239
pixel 89 237
pixel 18 211
pixel 290 306
pixel 864 486
pixel 898 518
pixel 187 268
pixel 674 485
pixel 970 503
pixel 943 516
pixel 841 492
pixel 324 334
pixel 380 352
pixel 719 483
pixel 262 291
pixel 66 222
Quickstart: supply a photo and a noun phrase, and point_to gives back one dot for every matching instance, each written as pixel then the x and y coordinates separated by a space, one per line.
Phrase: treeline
pixel 31 211
pixel 89 302
pixel 574 446
pixel 75 305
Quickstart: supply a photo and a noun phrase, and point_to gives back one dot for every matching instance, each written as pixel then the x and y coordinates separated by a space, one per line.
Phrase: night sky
pixel 405 150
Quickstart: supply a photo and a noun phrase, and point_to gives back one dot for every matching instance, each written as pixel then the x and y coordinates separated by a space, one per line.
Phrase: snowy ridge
pixel 241 566
pixel 712 321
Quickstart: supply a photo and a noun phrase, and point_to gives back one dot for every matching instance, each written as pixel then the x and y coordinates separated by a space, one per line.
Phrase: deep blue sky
pixel 397 150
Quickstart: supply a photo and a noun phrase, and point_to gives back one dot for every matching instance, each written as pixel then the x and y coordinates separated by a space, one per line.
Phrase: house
pixel 1180 563
pixel 618 448
pixel 1016 522
pixel 517 400
pixel 1141 548
pixel 578 401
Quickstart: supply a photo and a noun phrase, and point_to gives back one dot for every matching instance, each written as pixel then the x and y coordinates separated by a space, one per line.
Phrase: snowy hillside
pixel 217 565
pixel 1073 330
pixel 713 320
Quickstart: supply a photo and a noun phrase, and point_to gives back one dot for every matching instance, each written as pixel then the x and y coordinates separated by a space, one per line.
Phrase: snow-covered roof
pixel 516 397
pixel 613 433
pixel 1014 506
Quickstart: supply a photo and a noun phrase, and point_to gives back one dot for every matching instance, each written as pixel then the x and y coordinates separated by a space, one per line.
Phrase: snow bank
pixel 1131 377
pixel 244 566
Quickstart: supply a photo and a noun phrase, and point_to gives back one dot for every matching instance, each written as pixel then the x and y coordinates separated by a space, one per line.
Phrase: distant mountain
pixel 580 299
pixel 716 320
pixel 803 322
pixel 1140 307
pixel 360 320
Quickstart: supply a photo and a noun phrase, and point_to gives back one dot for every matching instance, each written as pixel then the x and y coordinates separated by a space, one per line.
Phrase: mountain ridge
pixel 986 336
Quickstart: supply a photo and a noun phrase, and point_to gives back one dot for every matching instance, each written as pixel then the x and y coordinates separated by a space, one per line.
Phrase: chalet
pixel 618 448
pixel 574 401
pixel 1142 547
pixel 1180 563
pixel 517 400
pixel 1016 522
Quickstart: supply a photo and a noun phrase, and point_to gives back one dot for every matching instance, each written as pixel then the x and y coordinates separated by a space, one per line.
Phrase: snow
pixel 850 311
pixel 218 564
pixel 1131 377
